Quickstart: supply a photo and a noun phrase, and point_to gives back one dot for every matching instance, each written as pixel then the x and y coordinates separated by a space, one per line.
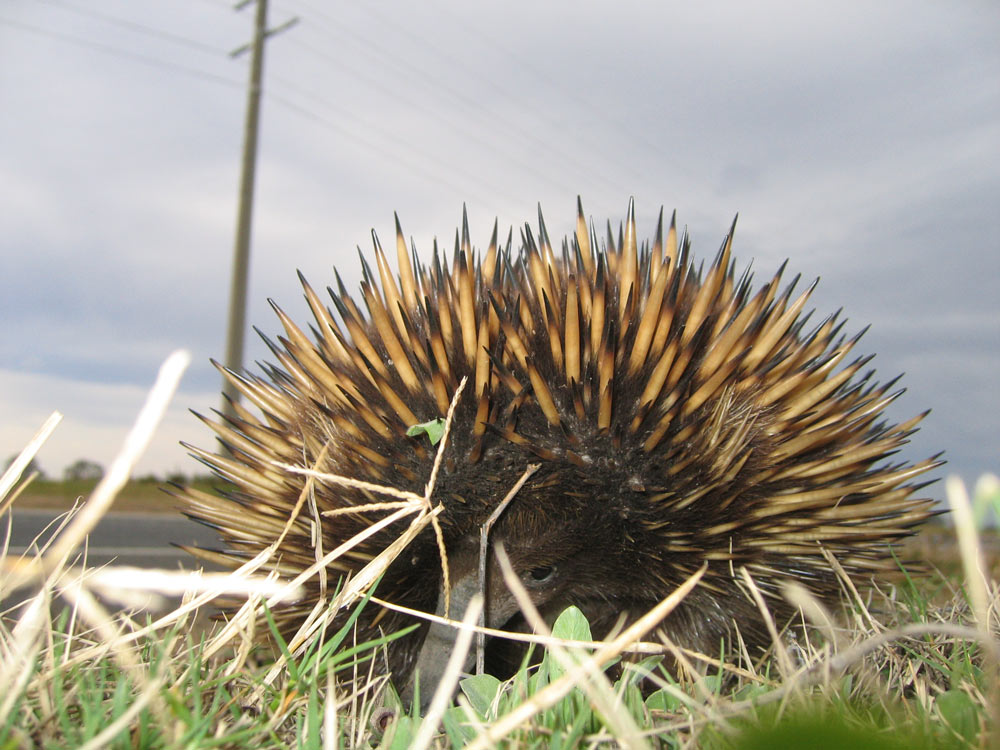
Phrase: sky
pixel 861 141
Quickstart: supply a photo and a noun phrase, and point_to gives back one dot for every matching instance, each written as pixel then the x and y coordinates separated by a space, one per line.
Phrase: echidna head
pixel 567 542
pixel 678 418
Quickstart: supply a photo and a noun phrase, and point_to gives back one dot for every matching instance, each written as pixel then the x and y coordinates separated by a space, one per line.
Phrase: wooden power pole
pixel 241 252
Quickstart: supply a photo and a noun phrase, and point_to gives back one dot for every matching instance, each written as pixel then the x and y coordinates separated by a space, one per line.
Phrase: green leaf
pixel 457 727
pixel 433 429
pixel 403 731
pixel 661 700
pixel 572 626
pixel 481 690
pixel 958 710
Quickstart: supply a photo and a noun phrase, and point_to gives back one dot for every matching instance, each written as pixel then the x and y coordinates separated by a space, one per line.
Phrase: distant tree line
pixel 84 469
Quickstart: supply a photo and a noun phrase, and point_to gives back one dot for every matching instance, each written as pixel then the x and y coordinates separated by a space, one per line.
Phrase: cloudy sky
pixel 859 140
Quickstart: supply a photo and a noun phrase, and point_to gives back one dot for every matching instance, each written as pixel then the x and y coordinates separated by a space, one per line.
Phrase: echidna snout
pixel 679 417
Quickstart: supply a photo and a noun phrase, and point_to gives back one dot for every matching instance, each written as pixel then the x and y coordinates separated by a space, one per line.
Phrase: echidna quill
pixel 678 417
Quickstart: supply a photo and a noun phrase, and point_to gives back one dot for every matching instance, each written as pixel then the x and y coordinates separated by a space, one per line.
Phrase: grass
pixel 143 495
pixel 911 664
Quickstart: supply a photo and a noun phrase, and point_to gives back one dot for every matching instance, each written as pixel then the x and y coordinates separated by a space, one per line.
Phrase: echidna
pixel 678 417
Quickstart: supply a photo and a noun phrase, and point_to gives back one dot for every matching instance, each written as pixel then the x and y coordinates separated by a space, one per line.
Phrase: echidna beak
pixel 439 643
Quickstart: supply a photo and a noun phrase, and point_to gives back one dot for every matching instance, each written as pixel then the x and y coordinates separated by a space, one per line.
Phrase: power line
pixel 498 126
pixel 618 123
pixel 479 137
pixel 520 127
pixel 136 27
pixel 399 157
pixel 120 53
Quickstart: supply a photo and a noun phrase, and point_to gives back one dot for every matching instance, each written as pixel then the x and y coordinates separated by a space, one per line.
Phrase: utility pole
pixel 241 252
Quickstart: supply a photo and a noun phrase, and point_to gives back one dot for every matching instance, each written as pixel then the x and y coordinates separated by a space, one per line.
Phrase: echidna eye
pixel 541 574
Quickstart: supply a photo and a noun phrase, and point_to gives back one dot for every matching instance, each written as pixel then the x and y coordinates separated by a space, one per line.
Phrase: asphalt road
pixel 140 539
